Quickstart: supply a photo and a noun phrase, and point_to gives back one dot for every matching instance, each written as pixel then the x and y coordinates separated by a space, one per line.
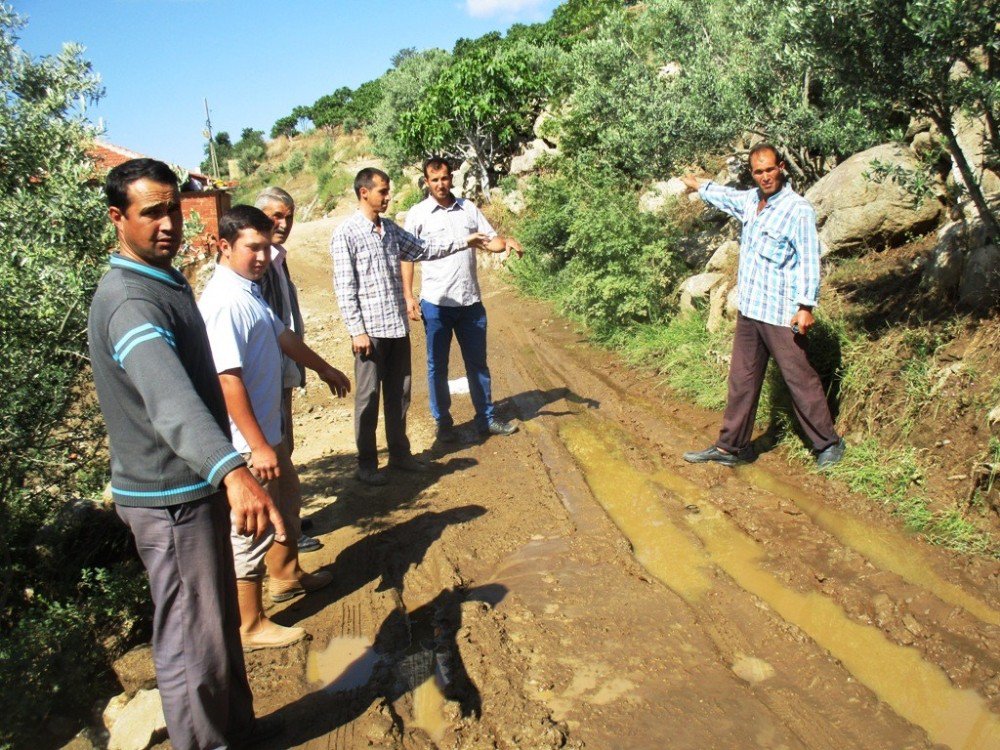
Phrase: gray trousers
pixel 754 343
pixel 196 641
pixel 387 369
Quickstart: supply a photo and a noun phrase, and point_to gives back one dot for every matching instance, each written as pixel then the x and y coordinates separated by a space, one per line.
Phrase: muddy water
pixel 428 709
pixel 884 547
pixel 345 664
pixel 916 690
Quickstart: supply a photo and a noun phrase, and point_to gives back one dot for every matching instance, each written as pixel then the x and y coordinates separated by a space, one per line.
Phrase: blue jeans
pixel 468 323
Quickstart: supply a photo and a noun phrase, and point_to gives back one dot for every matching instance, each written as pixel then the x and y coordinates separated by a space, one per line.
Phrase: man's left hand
pixel 804 320
pixel 340 384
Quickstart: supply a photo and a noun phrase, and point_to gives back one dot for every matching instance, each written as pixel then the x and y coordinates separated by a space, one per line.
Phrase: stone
pixel 135 669
pixel 655 198
pixel 114 709
pixel 733 303
pixel 527 160
pixel 724 256
pixel 546 127
pixel 973 139
pixel 696 288
pixel 943 272
pixel 993 417
pixel 514 201
pixel 670 71
pixel 464 180
pixel 751 669
pixel 717 307
pixel 854 213
pixel 980 288
pixel 140 724
pixel 81 742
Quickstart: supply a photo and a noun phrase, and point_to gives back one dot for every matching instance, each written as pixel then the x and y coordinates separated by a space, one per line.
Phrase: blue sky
pixel 254 61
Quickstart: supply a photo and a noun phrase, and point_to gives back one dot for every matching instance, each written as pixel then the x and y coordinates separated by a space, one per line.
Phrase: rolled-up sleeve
pixel 727 199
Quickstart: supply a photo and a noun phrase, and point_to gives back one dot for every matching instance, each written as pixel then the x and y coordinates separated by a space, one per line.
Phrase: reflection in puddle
pixel 419 674
pixel 886 548
pixel 916 690
pixel 637 509
pixel 345 664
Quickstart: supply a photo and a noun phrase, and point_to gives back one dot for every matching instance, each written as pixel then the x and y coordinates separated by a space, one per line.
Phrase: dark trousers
pixel 753 344
pixel 385 370
pixel 468 324
pixel 196 640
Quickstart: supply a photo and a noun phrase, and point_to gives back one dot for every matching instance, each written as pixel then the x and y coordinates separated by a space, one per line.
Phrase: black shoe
pixel 260 731
pixel 713 455
pixel 372 477
pixel 499 427
pixel 831 455
pixel 447 434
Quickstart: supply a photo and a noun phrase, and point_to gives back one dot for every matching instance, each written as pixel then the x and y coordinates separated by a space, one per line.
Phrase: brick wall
pixel 209 205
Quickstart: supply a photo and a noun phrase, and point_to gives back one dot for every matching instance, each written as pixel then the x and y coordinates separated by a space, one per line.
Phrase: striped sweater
pixel 157 386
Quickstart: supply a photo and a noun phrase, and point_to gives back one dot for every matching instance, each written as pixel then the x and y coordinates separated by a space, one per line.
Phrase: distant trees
pixel 248 152
pixel 933 58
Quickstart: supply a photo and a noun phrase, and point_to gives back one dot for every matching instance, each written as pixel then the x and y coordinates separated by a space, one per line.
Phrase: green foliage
pixel 54 238
pixel 295 163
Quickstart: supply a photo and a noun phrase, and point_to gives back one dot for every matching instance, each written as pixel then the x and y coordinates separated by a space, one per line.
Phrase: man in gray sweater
pixel 176 479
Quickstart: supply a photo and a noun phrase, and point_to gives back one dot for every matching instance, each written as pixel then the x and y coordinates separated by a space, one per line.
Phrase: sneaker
pixel 307 543
pixel 831 455
pixel 409 463
pixel 447 434
pixel 282 591
pixel 713 455
pixel 372 477
pixel 499 427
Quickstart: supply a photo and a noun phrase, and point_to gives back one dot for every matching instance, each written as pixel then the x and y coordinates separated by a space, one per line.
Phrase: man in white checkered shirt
pixel 366 251
pixel 778 287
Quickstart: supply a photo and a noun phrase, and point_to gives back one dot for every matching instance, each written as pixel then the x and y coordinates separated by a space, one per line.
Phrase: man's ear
pixel 116 215
pixel 225 249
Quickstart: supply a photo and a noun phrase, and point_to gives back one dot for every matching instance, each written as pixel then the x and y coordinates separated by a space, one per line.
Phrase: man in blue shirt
pixel 778 287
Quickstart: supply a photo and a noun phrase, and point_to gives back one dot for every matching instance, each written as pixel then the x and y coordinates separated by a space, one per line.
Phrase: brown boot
pixel 256 631
pixel 282 590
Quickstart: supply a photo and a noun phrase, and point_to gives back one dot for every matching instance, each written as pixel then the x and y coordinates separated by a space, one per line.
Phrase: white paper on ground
pixel 458 385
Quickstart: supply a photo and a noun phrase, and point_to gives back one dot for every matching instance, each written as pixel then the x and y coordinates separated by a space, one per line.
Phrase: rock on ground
pixel 655 198
pixel 140 723
pixel 724 256
pixel 980 288
pixel 854 213
pixel 135 670
pixel 697 287
pixel 529 156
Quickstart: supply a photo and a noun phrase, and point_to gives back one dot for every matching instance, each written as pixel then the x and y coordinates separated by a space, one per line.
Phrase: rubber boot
pixel 256 631
pixel 288 580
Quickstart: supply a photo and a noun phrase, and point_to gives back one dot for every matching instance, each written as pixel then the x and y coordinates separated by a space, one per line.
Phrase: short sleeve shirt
pixel 450 281
pixel 243 333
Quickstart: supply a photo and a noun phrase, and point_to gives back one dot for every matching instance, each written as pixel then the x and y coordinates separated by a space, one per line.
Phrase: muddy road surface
pixel 578 585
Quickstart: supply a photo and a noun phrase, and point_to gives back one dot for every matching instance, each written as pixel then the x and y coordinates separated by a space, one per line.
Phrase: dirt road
pixel 578 585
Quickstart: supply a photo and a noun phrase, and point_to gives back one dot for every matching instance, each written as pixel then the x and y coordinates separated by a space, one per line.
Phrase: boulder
pixel 514 201
pixel 114 709
pixel 717 306
pixel 135 669
pixel 140 724
pixel 733 303
pixel 943 272
pixel 980 289
pixel 854 213
pixel 655 198
pixel 697 288
pixel 973 139
pixel 546 127
pixel 724 256
pixel 527 160
pixel 463 180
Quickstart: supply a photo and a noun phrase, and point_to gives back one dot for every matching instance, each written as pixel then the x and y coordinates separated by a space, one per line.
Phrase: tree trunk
pixel 965 169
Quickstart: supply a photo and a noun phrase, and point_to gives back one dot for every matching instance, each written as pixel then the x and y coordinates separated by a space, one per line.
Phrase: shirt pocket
pixel 774 247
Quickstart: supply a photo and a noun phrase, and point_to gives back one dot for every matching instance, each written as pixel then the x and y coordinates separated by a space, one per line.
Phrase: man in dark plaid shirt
pixel 366 251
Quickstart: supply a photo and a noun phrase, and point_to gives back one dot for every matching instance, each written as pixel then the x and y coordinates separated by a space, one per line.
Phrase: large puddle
pixel 915 689
pixel 886 548
pixel 419 675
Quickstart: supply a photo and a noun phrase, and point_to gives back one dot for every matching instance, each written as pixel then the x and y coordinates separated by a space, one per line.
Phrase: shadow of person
pixel 531 404
pixel 823 348
pixel 387 554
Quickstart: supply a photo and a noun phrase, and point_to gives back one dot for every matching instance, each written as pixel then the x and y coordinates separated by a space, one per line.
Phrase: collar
pixel 368 224
pixel 229 276
pixel 777 197
pixel 456 205
pixel 172 277
pixel 278 253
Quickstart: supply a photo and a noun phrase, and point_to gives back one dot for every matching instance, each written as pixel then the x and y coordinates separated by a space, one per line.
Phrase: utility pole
pixel 211 141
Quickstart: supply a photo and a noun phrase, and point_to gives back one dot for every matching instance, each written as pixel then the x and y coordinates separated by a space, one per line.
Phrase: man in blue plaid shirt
pixel 778 287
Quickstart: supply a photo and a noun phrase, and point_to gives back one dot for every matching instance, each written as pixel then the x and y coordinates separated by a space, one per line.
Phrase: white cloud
pixel 484 8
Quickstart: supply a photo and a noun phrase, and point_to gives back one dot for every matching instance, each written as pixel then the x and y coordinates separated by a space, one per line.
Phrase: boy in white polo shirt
pixel 247 342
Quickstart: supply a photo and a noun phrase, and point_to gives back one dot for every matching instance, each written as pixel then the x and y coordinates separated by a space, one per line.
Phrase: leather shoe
pixel 831 455
pixel 713 455
pixel 373 477
pixel 408 463
pixel 499 427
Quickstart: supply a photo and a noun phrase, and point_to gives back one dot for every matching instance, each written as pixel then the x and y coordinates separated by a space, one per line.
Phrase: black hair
pixel 241 217
pixel 765 146
pixel 118 180
pixel 436 162
pixel 366 179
